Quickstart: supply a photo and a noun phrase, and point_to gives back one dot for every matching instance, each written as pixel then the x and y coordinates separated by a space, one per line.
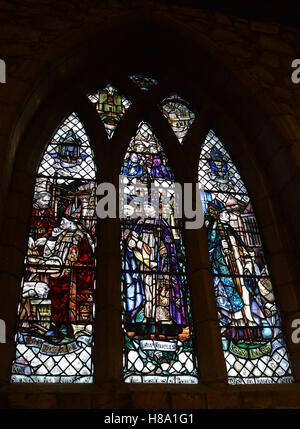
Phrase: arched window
pixel 157 324
pixel 54 339
pixel 55 316
pixel 253 343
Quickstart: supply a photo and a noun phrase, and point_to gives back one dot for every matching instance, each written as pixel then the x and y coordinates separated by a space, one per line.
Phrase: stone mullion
pixel 204 312
pixel 108 332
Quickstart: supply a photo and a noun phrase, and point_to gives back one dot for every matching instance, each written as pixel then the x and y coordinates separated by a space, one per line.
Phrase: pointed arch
pixel 54 338
pixel 253 343
pixel 157 322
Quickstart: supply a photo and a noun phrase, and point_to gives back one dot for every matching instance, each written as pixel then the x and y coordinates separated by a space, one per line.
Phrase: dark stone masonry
pixel 236 73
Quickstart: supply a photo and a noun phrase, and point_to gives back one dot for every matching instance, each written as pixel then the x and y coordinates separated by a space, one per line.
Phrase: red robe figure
pixel 42 221
pixel 69 248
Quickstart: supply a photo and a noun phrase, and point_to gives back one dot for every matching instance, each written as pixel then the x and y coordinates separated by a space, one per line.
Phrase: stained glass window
pixel 157 325
pixel 144 82
pixel 111 106
pixel 54 338
pixel 179 115
pixel 254 347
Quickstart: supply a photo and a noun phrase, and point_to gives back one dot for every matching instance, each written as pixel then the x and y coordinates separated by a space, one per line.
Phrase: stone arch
pixel 226 102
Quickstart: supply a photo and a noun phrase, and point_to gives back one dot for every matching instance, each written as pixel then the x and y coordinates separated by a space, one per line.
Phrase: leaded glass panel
pixel 111 106
pixel 157 324
pixel 179 115
pixel 253 343
pixel 54 337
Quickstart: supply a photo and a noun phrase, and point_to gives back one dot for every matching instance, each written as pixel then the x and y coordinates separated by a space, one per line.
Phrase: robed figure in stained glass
pixel 158 345
pixel 252 339
pixel 153 295
pixel 64 261
pixel 239 300
pixel 134 166
pixel 55 316
pixel 42 220
pixel 70 244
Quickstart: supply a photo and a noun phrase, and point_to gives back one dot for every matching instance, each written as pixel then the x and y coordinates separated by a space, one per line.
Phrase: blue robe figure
pixel 134 167
pixel 135 289
pixel 229 297
pixel 218 164
pixel 135 294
